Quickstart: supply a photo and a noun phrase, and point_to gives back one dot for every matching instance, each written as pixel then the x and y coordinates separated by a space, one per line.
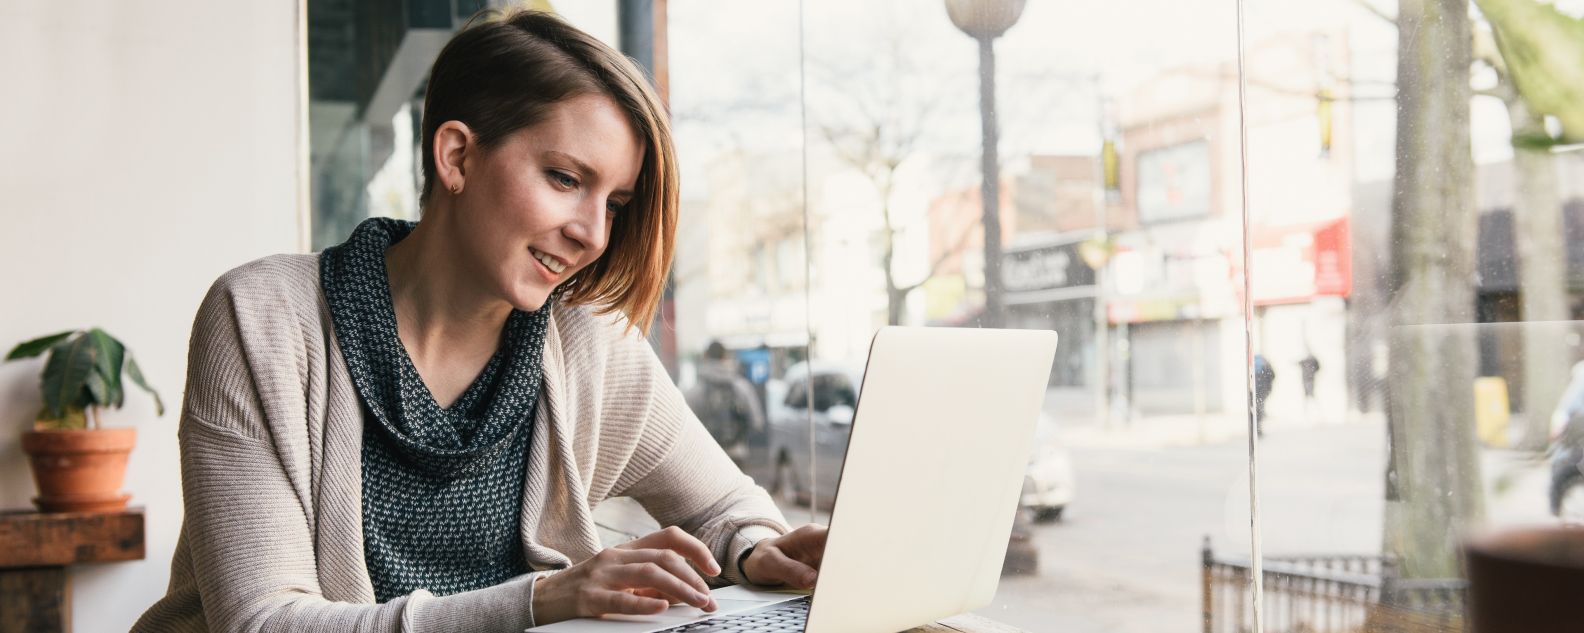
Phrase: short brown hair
pixel 501 74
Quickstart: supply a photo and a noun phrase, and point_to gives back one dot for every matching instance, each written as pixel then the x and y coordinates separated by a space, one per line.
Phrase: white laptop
pixel 924 508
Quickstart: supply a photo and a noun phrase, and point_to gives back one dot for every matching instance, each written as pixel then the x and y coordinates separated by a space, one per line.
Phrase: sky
pixel 740 70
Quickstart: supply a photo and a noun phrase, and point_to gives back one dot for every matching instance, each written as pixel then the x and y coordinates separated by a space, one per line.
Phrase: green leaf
pixel 70 362
pixel 1543 50
pixel 136 375
pixel 37 346
pixel 96 389
pixel 112 354
pixel 59 375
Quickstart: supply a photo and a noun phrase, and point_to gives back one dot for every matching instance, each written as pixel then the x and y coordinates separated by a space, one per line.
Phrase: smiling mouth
pixel 549 262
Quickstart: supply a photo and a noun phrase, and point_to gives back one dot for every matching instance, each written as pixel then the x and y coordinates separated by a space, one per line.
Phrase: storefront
pixel 1302 277
pixel 1177 329
pixel 1048 286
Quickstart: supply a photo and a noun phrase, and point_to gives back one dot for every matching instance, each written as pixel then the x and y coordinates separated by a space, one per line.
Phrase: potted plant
pixel 78 465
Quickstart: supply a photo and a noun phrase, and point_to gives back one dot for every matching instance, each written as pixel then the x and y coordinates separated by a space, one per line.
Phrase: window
pixel 833 183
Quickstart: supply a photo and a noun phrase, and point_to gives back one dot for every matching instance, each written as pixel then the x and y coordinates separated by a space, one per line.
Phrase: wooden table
pixel 966 623
pixel 35 548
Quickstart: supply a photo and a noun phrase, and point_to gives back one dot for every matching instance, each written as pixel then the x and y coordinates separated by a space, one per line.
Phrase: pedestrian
pixel 407 432
pixel 1309 366
pixel 726 403
pixel 1264 380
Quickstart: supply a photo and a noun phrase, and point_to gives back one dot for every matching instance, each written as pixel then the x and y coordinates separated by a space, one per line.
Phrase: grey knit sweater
pixel 271 437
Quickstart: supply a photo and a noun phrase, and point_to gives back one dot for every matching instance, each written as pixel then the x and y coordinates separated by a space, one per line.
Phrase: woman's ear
pixel 452 144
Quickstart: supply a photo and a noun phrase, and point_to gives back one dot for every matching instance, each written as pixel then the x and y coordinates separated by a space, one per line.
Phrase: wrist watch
pixel 741 572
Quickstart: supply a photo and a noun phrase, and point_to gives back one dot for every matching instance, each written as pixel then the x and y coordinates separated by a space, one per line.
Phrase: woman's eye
pixel 562 180
pixel 614 207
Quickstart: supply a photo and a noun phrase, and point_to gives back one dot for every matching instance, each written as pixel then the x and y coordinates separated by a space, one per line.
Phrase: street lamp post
pixel 985 20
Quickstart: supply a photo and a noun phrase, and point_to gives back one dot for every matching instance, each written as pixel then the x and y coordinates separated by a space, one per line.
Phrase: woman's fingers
pixel 806 544
pixel 677 540
pixel 787 570
pixel 611 601
pixel 654 577
pixel 646 593
pixel 632 579
pixel 669 561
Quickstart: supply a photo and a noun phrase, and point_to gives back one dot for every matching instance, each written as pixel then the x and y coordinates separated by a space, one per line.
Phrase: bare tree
pixel 877 119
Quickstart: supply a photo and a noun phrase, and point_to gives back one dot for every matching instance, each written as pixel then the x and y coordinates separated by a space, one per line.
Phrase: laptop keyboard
pixel 787 617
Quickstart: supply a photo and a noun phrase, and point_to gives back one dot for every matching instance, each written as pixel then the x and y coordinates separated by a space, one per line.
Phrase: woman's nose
pixel 587 225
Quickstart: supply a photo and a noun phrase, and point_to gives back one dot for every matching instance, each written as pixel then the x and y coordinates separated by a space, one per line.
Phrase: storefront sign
pixel 1152 285
pixel 1297 264
pixel 1045 268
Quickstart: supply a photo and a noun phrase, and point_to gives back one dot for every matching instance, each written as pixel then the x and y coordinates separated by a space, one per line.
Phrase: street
pixel 1126 558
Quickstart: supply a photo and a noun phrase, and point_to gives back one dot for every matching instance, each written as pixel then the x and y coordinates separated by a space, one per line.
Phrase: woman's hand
pixel 792 559
pixel 641 577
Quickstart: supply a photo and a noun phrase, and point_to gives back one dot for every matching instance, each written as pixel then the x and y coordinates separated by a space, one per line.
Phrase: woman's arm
pixel 694 485
pixel 697 488
pixel 253 556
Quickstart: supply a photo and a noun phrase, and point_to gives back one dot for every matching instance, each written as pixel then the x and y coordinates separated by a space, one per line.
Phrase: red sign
pixel 1298 263
pixel 1334 260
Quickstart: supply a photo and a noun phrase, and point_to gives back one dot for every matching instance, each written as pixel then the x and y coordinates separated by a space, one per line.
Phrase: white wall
pixel 148 147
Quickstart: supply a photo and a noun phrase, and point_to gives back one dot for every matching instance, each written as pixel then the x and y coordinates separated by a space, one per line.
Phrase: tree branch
pixel 1377 12
pixel 956 249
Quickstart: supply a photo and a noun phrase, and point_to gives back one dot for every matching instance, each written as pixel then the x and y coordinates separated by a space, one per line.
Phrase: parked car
pixel 1567 457
pixel 833 393
pixel 1048 485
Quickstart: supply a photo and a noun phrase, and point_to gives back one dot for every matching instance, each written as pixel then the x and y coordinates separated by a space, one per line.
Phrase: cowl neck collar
pixel 452 441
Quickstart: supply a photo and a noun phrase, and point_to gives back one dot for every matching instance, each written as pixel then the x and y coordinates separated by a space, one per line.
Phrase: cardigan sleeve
pixel 690 482
pixel 253 556
pixel 248 527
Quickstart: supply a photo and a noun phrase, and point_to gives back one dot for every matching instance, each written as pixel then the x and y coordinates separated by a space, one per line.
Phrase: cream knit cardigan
pixel 271 439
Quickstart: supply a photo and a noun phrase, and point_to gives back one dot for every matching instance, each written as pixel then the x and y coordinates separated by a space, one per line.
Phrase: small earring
pixel 456 189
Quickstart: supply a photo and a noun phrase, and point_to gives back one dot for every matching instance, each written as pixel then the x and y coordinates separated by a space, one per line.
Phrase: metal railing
pixel 1328 594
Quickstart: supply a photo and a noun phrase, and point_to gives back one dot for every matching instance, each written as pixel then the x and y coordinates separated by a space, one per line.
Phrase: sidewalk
pixel 1078 427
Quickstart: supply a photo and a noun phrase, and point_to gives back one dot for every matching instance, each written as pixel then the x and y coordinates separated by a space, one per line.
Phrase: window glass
pixel 740 278
pixel 1415 307
pixel 1113 220
pixel 1411 259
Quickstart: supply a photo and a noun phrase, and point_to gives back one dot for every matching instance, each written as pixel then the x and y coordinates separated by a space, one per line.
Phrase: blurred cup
pixel 1527 580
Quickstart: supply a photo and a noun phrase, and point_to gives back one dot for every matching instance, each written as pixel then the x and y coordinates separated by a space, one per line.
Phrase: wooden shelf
pixel 32 539
pixel 35 548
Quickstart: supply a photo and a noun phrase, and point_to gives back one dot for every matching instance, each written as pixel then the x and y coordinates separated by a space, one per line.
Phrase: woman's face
pixel 537 208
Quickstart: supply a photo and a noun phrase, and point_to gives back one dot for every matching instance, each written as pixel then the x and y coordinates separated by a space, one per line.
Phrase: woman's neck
pixel 440 308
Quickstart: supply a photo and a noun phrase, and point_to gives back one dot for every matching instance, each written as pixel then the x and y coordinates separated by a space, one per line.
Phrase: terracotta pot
pixel 80 470
pixel 1526 580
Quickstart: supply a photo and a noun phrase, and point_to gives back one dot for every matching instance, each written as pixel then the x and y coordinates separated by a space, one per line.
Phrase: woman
pixel 407 432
